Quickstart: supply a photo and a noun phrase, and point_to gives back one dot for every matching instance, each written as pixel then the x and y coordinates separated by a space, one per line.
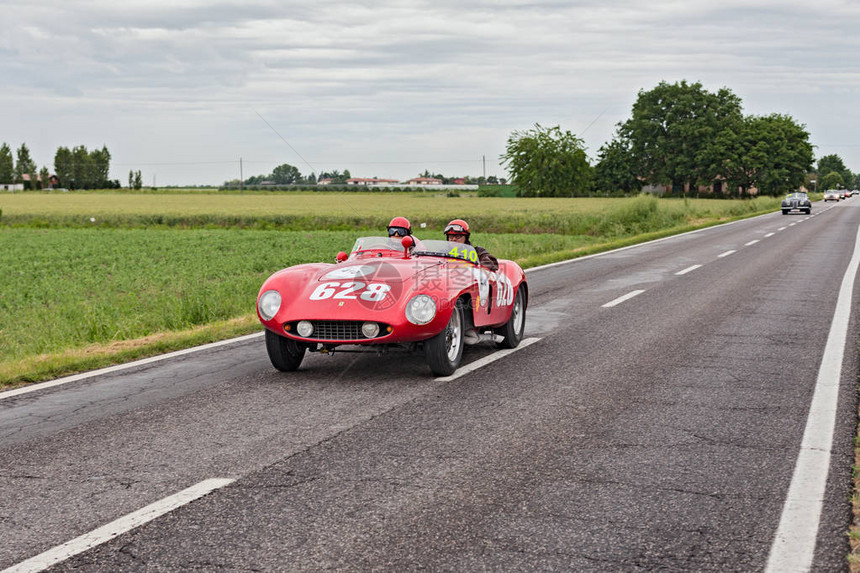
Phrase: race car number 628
pixel 348 291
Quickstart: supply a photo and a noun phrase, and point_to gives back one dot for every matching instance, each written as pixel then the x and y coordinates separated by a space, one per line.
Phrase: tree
pixel 547 162
pixel 138 180
pixel 833 180
pixel 673 130
pixel 44 176
pixel 7 164
pixel 130 179
pixel 25 166
pixel 833 162
pixel 614 170
pixel 771 153
pixel 64 165
pixel 286 174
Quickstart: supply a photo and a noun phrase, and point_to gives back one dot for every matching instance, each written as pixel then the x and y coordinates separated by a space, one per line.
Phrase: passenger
pixel 457 231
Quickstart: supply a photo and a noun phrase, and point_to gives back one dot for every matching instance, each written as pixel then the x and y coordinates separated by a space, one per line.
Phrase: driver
pixel 457 231
pixel 399 227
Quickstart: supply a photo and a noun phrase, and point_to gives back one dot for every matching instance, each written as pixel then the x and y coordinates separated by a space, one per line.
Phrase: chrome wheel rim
pixel 453 336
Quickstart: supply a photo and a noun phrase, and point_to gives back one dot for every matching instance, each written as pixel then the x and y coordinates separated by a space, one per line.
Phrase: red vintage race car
pixel 393 293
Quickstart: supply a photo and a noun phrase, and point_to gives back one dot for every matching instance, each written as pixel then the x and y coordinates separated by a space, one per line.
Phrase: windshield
pixel 446 249
pixel 376 244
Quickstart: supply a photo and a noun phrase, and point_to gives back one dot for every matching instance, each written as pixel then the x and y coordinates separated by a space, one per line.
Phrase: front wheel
pixel 285 353
pixel 785 211
pixel 445 350
pixel 512 330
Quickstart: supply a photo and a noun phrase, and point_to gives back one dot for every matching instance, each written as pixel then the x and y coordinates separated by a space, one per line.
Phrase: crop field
pixel 94 279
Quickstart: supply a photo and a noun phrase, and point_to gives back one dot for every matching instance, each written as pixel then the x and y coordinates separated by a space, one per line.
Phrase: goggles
pixel 397 231
pixel 455 230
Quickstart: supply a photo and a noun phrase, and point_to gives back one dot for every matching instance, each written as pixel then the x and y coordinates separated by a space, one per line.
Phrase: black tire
pixel 445 350
pixel 785 212
pixel 808 211
pixel 285 353
pixel 513 329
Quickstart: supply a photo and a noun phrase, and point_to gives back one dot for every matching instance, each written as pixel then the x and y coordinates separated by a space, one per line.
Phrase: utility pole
pixel 484 161
pixel 241 177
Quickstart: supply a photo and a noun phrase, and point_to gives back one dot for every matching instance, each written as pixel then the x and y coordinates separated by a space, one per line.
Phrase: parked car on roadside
pixel 796 202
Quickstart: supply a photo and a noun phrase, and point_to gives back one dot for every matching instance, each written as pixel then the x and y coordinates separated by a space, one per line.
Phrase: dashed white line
pixel 726 254
pixel 782 228
pixel 794 543
pixel 768 235
pixel 463 370
pixel 621 299
pixel 113 529
pixel 687 270
pixel 751 243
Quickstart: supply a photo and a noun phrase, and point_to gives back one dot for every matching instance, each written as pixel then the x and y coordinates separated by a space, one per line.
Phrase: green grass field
pixel 158 272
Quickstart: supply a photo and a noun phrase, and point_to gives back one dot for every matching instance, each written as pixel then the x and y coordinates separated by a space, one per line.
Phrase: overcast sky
pixel 181 90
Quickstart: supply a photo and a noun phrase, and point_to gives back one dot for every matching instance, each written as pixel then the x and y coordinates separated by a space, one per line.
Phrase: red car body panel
pixel 375 285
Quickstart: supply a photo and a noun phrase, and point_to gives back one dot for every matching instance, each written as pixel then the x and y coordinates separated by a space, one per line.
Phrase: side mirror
pixel 341 257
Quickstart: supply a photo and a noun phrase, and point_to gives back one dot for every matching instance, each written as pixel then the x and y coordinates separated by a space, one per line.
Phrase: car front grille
pixel 336 330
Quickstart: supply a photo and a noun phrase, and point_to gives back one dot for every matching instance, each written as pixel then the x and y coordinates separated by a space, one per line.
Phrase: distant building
pixel 424 181
pixel 371 181
pixel 325 181
pixel 11 186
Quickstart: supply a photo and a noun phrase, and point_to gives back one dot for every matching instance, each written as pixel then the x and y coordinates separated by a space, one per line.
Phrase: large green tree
pixel 673 132
pixel 7 164
pixel 770 153
pixel 547 162
pixel 833 180
pixel 833 162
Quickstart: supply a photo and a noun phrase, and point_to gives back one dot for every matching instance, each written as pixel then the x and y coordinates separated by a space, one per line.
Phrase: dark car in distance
pixel 796 202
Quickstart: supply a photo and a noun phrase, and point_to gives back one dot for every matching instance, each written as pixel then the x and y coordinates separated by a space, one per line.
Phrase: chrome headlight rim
pixel 269 304
pixel 421 309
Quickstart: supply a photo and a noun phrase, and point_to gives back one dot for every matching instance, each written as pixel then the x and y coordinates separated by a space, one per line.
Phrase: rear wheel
pixel 285 353
pixel 512 330
pixel 445 350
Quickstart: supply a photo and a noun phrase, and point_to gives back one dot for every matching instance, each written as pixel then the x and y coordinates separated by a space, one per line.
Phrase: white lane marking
pixel 115 528
pixel 726 254
pixel 782 228
pixel 687 270
pixel 484 361
pixel 621 299
pixel 119 367
pixel 751 243
pixel 794 543
pixel 768 235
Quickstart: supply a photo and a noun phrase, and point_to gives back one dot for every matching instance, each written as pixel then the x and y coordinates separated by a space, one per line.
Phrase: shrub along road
pixel 654 425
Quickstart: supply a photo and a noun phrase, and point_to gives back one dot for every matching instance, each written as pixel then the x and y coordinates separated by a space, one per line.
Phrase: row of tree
pixel 76 168
pixel 287 174
pixel 679 137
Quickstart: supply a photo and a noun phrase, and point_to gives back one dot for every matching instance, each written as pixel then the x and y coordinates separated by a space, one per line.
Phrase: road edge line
pixel 793 545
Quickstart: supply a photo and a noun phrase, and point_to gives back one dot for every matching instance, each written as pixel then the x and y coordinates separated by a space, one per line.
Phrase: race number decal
pixel 350 290
pixel 504 290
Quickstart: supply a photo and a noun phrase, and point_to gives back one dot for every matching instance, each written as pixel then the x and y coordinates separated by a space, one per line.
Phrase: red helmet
pixel 400 227
pixel 457 227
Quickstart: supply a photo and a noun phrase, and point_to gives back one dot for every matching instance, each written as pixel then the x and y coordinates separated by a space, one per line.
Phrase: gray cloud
pixel 398 84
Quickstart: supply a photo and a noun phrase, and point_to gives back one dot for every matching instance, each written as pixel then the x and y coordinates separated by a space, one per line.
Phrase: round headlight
pixel 304 328
pixel 420 309
pixel 269 304
pixel 370 329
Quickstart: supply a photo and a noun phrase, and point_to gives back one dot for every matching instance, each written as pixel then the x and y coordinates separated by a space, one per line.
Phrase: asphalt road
pixel 658 433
